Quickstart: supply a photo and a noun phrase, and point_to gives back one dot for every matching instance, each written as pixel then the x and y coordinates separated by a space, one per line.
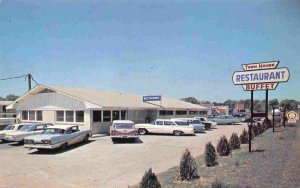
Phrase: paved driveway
pixel 101 163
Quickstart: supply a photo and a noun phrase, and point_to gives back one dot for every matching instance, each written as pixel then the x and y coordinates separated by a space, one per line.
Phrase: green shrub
pixel 210 155
pixel 235 141
pixel 244 137
pixel 223 147
pixel 149 180
pixel 188 167
pixel 217 184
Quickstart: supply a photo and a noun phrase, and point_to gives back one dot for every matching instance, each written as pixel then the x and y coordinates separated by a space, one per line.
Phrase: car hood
pixel 42 137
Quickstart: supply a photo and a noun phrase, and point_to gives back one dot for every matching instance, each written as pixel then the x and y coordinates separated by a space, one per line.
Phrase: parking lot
pixel 100 163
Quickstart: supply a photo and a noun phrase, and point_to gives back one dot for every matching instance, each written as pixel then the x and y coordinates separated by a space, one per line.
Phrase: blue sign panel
pixel 151 98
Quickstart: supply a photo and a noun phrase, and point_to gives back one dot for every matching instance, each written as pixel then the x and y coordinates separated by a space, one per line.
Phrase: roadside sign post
pixel 263 76
pixel 273 118
pixel 284 116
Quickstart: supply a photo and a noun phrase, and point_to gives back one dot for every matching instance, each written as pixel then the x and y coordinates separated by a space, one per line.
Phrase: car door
pixel 72 134
pixel 168 127
pixel 157 127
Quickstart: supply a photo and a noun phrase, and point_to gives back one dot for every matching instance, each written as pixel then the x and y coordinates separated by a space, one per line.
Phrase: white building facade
pixel 96 110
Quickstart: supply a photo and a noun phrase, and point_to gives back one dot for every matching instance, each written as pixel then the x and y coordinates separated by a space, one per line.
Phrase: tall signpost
pixel 260 77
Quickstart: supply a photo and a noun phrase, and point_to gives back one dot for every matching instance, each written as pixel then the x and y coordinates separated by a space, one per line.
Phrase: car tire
pixel 142 131
pixel 86 139
pixel 64 146
pixel 177 133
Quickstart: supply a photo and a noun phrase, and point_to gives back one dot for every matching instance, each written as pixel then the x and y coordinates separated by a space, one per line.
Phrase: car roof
pixel 17 124
pixel 62 126
pixel 122 121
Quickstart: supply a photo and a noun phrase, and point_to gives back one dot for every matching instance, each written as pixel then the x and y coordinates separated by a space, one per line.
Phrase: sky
pixel 170 48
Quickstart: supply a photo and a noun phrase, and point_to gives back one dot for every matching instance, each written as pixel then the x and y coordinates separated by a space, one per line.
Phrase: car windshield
pixel 9 127
pixel 184 123
pixel 53 131
pixel 123 125
pixel 27 128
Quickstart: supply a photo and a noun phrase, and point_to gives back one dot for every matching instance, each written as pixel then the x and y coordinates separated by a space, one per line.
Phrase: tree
pixel 191 100
pixel 2 99
pixel 11 97
pixel 290 104
pixel 274 102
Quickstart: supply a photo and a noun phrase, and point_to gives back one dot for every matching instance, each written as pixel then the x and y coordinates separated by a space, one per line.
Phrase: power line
pixel 27 76
pixel 14 77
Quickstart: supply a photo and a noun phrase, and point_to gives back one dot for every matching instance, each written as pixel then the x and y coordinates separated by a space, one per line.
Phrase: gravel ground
pixel 274 162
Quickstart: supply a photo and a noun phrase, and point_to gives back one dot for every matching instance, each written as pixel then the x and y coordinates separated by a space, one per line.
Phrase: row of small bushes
pixel 188 167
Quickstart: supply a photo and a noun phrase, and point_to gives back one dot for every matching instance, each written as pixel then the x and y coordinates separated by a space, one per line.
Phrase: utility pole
pixel 29 81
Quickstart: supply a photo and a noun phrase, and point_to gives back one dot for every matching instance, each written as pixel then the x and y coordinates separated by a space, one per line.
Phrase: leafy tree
pixel 2 99
pixel 290 104
pixel 191 100
pixel 274 102
pixel 11 97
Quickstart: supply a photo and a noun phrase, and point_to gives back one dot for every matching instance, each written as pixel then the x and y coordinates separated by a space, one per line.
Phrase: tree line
pixel 9 97
pixel 290 104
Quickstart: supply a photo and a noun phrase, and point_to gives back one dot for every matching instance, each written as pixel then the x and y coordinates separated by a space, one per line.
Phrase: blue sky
pixel 176 49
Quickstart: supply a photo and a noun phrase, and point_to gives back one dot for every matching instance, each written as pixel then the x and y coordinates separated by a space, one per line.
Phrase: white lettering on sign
pixel 261 76
pixel 261 66
pixel 264 86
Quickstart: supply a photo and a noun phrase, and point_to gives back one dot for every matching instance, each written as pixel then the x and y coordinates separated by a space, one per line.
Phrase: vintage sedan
pixel 225 119
pixel 204 120
pixel 196 124
pixel 58 136
pixel 10 129
pixel 166 126
pixel 26 130
pixel 123 129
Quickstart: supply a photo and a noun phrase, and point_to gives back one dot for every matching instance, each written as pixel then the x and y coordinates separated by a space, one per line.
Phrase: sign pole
pixel 273 119
pixel 284 112
pixel 267 105
pixel 250 127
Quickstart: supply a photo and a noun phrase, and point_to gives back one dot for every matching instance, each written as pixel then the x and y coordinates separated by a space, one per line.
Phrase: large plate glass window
pixel 80 116
pixel 123 114
pixel 69 116
pixel 116 115
pixel 31 115
pixel 25 115
pixel 106 116
pixel 180 112
pixel 60 115
pixel 97 116
pixel 39 115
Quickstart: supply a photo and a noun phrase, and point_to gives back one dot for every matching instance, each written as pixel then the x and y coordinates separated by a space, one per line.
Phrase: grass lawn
pixel 274 162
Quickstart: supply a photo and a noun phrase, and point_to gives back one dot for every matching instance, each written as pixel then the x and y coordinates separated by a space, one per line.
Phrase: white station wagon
pixel 59 136
pixel 10 129
pixel 166 126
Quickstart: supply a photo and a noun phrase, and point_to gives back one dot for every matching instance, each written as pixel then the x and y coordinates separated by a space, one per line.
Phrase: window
pixel 97 116
pixel 180 112
pixel 31 115
pixel 159 122
pixel 39 115
pixel 116 115
pixel 39 127
pixel 168 123
pixel 203 112
pixel 193 112
pixel 60 115
pixel 123 114
pixel 79 116
pixel 106 116
pixel 24 115
pixel 69 116
pixel 166 113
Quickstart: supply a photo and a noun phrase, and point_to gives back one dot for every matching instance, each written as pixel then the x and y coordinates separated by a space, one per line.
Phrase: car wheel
pixel 177 133
pixel 86 139
pixel 64 146
pixel 142 131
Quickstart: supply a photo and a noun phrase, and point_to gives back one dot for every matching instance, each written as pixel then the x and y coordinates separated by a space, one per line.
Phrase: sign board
pixel 292 115
pixel 261 76
pixel 260 66
pixel 151 98
pixel 264 86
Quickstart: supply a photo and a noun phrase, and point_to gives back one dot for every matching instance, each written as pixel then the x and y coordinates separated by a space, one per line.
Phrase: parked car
pixel 196 124
pixel 166 126
pixel 123 129
pixel 58 136
pixel 26 130
pixel 9 129
pixel 225 119
pixel 204 120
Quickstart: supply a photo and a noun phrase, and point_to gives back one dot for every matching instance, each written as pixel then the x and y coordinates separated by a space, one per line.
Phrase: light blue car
pixel 225 119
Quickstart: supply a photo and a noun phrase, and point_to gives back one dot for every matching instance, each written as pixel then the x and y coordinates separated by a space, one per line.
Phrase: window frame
pixel 56 115
pixel 27 112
